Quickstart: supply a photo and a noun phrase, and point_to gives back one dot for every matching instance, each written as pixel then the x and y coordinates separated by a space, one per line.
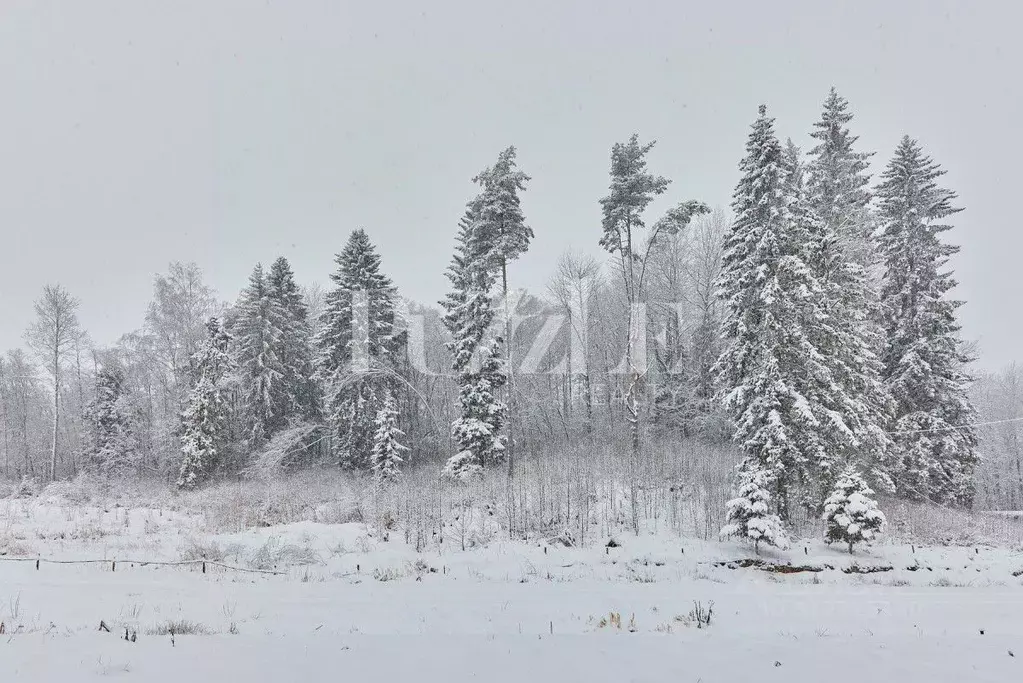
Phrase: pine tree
pixel 749 514
pixel 770 371
pixel 850 514
pixel 109 419
pixel 501 233
pixel 923 357
pixel 258 330
pixel 358 344
pixel 387 449
pixel 848 396
pixel 476 355
pixel 631 191
pixel 203 420
pixel 295 352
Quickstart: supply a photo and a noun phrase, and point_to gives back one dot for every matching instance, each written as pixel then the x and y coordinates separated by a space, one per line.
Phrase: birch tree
pixel 52 338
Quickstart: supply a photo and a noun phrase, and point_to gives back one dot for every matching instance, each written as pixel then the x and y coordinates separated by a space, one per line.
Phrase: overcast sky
pixel 134 133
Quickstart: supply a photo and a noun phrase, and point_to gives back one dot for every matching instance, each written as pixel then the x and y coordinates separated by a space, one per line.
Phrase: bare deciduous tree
pixel 52 337
pixel 573 287
pixel 182 303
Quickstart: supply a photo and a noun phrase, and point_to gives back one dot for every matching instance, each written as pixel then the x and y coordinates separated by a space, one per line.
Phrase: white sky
pixel 229 132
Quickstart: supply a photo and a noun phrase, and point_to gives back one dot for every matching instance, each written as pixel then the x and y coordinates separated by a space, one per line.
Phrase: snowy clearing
pixel 350 600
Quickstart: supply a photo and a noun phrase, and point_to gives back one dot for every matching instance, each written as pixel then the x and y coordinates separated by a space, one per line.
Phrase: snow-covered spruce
pixel 202 422
pixel 749 514
pixel 110 448
pixel 838 182
pixel 462 466
pixel 502 234
pixel 850 513
pixel 358 345
pixel 302 398
pixel 837 199
pixel 476 354
pixel 924 361
pixel 775 382
pixel 849 398
pixel 387 448
pixel 257 331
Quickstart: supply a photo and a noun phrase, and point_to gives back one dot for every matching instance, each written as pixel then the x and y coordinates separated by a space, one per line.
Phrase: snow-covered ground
pixel 356 602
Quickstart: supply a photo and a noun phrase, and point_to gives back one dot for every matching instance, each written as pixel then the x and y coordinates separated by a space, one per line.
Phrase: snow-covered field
pixel 355 602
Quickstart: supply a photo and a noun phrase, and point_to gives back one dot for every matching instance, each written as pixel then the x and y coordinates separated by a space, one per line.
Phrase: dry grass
pixel 274 554
pixel 581 491
pixel 178 627
pixel 196 549
pixel 934 525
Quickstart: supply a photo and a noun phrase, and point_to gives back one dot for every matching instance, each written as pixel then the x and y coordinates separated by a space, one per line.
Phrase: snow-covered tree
pixel 499 223
pixel 838 182
pixel 358 346
pixel 387 448
pixel 477 429
pixel 52 337
pixel 476 355
pixel 845 261
pixel 110 448
pixel 502 235
pixel 295 346
pixel 258 329
pixel 204 417
pixel 848 395
pixel 851 515
pixel 771 373
pixel 923 357
pixel 631 191
pixel 749 515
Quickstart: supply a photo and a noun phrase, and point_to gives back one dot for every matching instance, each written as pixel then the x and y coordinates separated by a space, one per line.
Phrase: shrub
pixel 849 512
pixel 749 515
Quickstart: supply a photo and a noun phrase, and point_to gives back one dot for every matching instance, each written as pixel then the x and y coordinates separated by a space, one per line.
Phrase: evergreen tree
pixel 358 347
pixel 477 429
pixel 109 419
pixel 501 235
pixel 850 514
pixel 499 224
pixel 923 357
pixel 295 351
pixel 475 355
pixel 845 255
pixel 749 514
pixel 258 331
pixel 838 182
pixel 849 398
pixel 459 274
pixel 387 449
pixel 203 420
pixel 770 370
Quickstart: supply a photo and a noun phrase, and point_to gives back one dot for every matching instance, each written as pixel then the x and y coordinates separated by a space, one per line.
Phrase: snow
pixel 358 600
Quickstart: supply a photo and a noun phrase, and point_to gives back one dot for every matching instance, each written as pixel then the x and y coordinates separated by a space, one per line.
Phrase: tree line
pixel 812 326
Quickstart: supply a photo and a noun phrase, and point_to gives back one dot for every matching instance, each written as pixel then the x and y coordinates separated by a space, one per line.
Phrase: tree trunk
pixel 56 417
pixel 632 396
pixel 509 370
